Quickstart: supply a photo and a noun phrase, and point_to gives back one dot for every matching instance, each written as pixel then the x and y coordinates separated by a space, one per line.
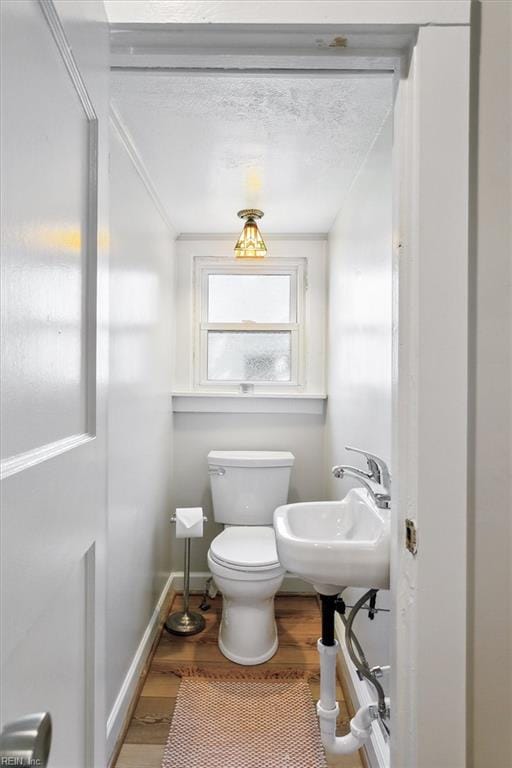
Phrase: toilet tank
pixel 247 486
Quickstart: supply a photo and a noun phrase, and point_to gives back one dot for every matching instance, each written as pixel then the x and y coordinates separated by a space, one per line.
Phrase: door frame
pixel 430 328
pixel 430 401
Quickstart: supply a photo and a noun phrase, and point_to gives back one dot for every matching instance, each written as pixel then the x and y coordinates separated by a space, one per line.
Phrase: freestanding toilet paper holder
pixel 185 622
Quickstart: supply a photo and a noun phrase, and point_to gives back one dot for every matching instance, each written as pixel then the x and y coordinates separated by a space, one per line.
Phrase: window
pixel 249 324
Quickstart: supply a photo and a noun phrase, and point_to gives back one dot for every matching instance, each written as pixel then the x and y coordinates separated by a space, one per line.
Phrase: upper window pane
pixel 249 298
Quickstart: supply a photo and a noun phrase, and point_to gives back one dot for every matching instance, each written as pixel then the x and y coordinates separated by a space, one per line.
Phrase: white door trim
pixel 320 12
pixel 430 403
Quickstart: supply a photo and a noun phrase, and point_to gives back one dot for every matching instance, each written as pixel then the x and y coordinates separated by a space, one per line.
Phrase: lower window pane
pixel 249 356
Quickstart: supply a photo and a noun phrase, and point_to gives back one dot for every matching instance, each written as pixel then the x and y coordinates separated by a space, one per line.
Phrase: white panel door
pixel 54 104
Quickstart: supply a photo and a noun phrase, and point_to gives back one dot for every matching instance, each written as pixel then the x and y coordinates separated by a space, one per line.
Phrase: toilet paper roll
pixel 189 522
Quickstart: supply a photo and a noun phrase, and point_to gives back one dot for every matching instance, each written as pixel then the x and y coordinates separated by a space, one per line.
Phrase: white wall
pixel 359 342
pixel 140 417
pixel 196 434
pixel 490 578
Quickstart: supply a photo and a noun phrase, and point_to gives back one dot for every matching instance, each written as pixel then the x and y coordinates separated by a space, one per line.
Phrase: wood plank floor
pixel 298 621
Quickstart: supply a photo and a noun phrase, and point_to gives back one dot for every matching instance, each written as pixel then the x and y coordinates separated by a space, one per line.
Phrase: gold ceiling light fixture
pixel 250 244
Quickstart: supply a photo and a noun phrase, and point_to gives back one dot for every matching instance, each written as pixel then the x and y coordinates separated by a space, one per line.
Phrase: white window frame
pixel 296 269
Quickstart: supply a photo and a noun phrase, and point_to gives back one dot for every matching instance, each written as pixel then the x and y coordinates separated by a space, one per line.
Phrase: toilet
pixel 247 486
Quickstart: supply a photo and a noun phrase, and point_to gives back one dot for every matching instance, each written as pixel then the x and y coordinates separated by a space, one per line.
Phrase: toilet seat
pixel 255 576
pixel 251 549
pixel 245 553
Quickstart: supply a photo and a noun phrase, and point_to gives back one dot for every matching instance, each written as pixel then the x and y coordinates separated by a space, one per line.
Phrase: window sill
pixel 216 402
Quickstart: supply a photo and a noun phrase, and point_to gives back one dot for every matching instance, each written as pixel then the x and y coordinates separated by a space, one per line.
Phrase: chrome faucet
pixel 377 480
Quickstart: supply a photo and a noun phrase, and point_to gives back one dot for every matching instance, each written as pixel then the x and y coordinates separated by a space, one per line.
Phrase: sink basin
pixel 335 544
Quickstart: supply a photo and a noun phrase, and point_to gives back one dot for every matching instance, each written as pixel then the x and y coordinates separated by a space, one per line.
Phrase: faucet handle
pixel 377 467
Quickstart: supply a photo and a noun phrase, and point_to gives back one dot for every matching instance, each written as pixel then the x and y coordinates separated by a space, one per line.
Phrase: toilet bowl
pixel 248 580
pixel 246 488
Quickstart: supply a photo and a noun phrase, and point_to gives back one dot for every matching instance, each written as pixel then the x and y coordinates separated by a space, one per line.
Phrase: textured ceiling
pixel 288 144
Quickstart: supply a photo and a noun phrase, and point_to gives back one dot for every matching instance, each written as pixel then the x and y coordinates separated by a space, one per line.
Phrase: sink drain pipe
pixel 327 707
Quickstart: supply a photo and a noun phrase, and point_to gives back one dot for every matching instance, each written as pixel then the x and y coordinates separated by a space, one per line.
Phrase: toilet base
pixel 245 661
pixel 248 631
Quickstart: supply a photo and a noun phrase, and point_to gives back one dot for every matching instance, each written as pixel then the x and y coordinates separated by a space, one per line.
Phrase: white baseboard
pixel 291 584
pixel 125 696
pixel 197 580
pixel 377 749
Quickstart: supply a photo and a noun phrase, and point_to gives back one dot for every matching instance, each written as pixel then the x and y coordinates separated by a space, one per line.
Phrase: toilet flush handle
pixel 216 471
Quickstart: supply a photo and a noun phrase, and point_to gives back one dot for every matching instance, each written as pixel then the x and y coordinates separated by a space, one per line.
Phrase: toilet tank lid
pixel 251 458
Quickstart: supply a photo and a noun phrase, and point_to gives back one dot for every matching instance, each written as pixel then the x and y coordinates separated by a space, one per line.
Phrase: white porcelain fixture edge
pixel 335 544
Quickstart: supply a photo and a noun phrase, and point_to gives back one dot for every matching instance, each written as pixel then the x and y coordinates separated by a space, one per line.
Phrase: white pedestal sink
pixel 335 544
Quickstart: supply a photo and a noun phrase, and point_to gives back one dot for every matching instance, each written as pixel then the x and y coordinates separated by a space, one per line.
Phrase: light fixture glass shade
pixel 250 244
